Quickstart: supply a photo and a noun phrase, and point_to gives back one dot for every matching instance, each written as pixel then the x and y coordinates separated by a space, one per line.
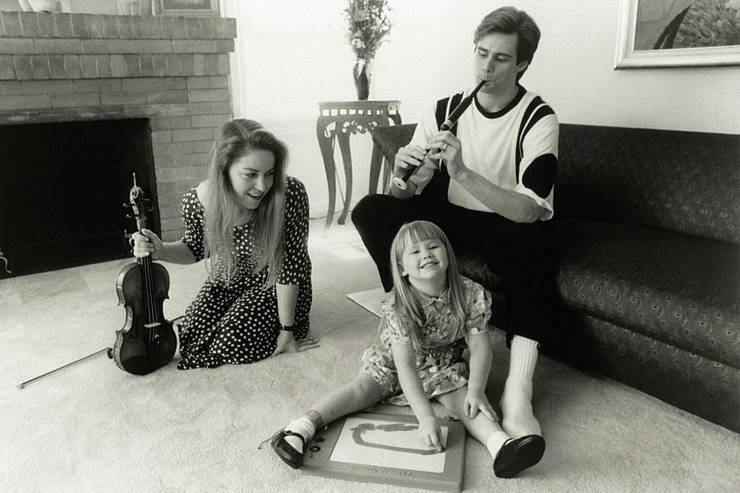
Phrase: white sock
pixel 516 401
pixel 522 362
pixel 304 427
pixel 496 441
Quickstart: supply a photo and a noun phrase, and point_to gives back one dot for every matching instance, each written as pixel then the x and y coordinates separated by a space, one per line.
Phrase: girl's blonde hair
pixel 409 311
pixel 237 138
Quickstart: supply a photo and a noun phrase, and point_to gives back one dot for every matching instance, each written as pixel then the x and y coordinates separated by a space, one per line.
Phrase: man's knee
pixel 365 209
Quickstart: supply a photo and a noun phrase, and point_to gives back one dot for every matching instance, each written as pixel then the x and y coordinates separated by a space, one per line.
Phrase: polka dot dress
pixel 237 322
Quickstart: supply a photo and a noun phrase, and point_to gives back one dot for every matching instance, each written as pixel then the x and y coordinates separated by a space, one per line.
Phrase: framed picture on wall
pixel 677 33
pixel 186 7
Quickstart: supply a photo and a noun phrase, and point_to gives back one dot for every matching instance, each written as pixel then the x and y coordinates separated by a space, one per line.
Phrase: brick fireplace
pixel 171 71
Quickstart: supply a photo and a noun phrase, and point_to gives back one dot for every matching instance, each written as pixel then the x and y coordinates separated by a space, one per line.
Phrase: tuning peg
pixel 129 216
pixel 126 205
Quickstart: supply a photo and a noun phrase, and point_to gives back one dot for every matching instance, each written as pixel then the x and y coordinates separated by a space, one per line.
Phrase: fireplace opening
pixel 62 189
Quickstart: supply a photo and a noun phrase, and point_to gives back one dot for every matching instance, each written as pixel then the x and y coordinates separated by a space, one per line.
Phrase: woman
pixel 250 221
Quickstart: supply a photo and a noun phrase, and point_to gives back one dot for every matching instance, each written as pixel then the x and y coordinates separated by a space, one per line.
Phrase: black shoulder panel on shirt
pixel 540 174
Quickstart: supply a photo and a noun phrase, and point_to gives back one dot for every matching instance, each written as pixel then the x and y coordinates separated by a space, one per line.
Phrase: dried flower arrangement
pixel 368 23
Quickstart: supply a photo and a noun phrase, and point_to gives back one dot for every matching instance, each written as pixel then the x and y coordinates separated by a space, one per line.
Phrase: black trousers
pixel 521 253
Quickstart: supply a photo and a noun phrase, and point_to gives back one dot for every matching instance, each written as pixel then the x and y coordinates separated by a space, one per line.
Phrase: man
pixel 492 193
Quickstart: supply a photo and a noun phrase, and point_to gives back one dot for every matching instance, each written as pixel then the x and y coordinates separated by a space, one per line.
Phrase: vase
pixel 363 75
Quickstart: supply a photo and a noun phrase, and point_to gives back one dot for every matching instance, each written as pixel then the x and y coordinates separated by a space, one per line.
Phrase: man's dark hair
pixel 509 20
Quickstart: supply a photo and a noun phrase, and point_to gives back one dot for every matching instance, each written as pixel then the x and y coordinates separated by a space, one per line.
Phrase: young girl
pixel 251 221
pixel 433 314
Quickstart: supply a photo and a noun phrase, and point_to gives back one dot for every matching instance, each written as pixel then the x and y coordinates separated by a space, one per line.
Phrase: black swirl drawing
pixel 357 432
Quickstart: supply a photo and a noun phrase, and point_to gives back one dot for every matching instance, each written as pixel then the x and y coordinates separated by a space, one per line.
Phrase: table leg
pixel 327 154
pixel 375 162
pixel 343 138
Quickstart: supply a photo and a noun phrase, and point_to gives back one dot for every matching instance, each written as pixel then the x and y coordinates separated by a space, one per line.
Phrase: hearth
pixel 62 186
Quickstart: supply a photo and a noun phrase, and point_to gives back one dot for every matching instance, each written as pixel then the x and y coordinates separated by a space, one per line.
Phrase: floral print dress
pixel 438 345
pixel 237 322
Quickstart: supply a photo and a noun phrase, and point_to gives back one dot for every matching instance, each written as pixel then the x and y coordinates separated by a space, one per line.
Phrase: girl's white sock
pixel 496 441
pixel 304 427
pixel 523 358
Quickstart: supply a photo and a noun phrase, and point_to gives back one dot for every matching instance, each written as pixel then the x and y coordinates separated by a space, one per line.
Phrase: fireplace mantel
pixel 78 67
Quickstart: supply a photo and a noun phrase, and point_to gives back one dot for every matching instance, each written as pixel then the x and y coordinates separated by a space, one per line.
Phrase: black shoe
pixel 518 454
pixel 285 451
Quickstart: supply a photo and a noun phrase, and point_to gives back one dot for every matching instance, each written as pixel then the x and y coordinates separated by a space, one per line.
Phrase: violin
pixel 147 340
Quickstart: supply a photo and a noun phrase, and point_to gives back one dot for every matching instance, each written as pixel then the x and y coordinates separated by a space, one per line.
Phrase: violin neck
pixel 147 281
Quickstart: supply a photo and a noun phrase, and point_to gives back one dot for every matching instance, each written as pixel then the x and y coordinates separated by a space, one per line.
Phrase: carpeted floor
pixel 92 427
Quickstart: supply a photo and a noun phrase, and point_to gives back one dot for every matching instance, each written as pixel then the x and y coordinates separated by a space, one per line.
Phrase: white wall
pixel 292 54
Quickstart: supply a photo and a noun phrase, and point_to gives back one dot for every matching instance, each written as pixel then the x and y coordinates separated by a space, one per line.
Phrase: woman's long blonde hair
pixel 409 311
pixel 221 216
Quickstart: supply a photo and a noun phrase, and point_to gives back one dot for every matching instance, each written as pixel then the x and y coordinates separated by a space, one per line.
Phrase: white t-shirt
pixel 515 148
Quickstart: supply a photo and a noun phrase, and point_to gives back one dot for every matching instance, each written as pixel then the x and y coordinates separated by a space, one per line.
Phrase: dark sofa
pixel 647 250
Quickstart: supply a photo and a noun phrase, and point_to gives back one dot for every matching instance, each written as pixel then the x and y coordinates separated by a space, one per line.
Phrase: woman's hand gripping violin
pixel 147 340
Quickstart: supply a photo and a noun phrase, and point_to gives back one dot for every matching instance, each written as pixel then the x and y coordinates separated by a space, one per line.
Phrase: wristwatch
pixel 287 328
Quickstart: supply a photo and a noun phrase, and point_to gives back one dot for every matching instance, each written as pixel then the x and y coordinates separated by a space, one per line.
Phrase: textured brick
pixel 126 26
pixel 187 64
pixel 95 25
pixel 171 122
pixel 175 148
pixel 160 65
pixel 193 134
pixel 211 121
pixel 56 67
pixel 127 98
pixel 46 25
pixel 80 26
pixel 199 64
pixel 97 85
pixel 225 45
pixel 6 68
pixel 117 65
pixel 147 65
pixel 104 69
pixel 40 64
pixel 124 46
pixel 110 27
pixel 12 24
pixel 200 95
pixel 89 66
pixel 72 46
pixel 219 82
pixel 133 69
pixel 225 28
pixel 196 30
pixel 199 159
pixel 167 97
pixel 17 117
pixel 154 84
pixel 73 100
pixel 72 66
pixel 199 46
pixel 47 87
pixel 191 173
pixel 16 46
pixel 159 136
pixel 63 26
pixel 198 83
pixel 211 64
pixel 180 28
pixel 38 101
pixel 220 107
pixel 152 26
pixel 23 68
pixel 29 24
pixel 10 88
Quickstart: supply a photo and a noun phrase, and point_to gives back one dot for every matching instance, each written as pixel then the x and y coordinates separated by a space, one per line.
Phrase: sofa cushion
pixel 682 181
pixel 678 289
pixel 474 267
